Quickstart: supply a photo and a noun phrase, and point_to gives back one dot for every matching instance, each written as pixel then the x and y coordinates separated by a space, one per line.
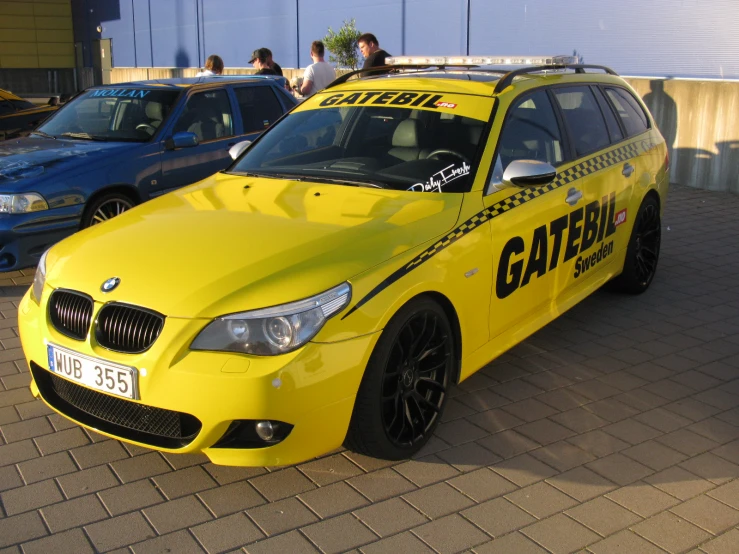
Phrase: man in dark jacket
pixel 374 56
pixel 260 61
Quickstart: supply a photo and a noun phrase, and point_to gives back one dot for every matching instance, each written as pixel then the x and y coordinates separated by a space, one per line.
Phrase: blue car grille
pixel 128 329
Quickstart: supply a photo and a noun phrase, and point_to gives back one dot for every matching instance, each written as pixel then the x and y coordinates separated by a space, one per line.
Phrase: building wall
pixel 36 34
pixel 677 38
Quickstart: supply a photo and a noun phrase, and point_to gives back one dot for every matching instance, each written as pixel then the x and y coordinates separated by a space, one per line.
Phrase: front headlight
pixel 39 279
pixel 22 203
pixel 275 330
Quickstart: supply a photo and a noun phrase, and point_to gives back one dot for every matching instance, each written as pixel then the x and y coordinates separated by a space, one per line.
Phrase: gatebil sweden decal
pixel 583 169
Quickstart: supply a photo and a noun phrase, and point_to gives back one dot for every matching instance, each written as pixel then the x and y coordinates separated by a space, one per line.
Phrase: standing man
pixel 319 74
pixel 374 56
pixel 259 61
pixel 272 64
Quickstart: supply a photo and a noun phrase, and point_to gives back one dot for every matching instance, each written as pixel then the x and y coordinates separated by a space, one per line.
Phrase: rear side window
pixel 6 107
pixel 584 119
pixel 259 107
pixel 631 113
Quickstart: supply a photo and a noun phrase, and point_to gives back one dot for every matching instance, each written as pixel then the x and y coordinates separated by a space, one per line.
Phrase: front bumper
pixel 312 389
pixel 24 237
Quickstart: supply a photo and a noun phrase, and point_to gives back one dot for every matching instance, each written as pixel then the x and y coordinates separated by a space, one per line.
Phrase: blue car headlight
pixel 22 203
pixel 275 330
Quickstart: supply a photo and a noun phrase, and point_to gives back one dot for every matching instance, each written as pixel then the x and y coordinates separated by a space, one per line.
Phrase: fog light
pixel 266 430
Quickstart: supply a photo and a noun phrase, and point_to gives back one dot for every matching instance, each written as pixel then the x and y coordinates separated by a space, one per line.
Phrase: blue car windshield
pixel 375 146
pixel 124 114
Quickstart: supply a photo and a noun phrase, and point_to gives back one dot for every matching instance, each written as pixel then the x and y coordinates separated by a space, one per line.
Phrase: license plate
pixel 94 373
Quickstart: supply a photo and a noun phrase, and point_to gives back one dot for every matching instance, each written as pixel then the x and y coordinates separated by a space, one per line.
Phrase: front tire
pixel 405 385
pixel 642 253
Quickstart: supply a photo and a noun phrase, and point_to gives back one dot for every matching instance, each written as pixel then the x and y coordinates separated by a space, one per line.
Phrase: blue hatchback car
pixel 115 146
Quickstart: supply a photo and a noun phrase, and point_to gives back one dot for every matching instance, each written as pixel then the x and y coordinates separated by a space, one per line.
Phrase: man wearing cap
pixel 260 61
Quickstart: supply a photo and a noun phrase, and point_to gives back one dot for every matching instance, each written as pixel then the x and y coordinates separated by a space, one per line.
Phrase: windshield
pixel 396 147
pixel 124 114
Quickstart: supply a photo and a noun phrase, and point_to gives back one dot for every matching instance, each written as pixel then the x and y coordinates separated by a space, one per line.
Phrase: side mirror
pixel 523 173
pixel 239 148
pixel 182 140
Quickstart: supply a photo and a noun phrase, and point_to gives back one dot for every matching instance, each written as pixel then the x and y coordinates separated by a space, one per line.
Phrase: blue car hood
pixel 28 158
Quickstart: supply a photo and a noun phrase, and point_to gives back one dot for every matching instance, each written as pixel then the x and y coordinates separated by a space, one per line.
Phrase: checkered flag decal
pixel 583 169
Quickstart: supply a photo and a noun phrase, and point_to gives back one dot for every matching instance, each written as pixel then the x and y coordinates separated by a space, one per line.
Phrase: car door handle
pixel 628 170
pixel 573 196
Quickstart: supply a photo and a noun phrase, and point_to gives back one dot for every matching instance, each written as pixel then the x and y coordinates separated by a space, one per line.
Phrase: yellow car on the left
pixel 19 117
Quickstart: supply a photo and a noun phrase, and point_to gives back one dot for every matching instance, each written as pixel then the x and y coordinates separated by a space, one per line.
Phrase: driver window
pixel 208 115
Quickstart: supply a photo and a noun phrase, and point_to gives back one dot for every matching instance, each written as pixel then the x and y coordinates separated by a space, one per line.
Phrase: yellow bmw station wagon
pixel 384 240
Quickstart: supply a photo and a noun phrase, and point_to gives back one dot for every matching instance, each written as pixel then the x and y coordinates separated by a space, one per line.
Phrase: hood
pixel 34 157
pixel 233 243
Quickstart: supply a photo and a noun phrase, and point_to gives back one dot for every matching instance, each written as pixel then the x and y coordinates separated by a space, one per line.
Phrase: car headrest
pixel 407 134
pixel 154 110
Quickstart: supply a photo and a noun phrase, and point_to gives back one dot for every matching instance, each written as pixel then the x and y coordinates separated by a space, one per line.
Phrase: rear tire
pixel 106 207
pixel 405 385
pixel 642 253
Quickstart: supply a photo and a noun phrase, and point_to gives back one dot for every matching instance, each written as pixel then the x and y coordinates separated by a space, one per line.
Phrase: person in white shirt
pixel 213 66
pixel 319 74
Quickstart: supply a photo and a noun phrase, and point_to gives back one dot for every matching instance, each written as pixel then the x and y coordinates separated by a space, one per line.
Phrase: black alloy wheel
pixel 642 253
pixel 405 386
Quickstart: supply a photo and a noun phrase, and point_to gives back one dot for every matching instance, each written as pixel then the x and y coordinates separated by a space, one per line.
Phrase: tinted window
pixel 208 115
pixel 259 107
pixel 632 116
pixel 584 119
pixel 6 107
pixel 530 132
pixel 613 129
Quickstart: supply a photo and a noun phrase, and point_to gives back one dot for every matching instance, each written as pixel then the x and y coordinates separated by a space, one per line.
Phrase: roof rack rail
pixel 384 69
pixel 507 79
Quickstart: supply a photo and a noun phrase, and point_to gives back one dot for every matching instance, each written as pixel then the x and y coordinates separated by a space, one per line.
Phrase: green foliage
pixel 342 46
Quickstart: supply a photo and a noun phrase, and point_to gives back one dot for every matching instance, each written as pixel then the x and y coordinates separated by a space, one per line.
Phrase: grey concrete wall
pixel 700 122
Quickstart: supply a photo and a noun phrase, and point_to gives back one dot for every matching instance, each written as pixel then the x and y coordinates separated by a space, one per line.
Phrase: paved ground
pixel 614 429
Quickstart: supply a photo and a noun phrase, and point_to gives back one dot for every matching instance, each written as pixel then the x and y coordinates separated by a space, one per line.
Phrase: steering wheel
pixel 450 153
pixel 146 127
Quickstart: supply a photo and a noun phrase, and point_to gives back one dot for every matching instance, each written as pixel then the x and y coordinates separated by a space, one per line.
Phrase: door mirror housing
pixel 182 140
pixel 528 173
pixel 239 148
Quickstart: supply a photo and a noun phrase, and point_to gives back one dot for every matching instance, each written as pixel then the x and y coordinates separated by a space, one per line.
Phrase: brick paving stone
pixel 687 442
pixel 133 496
pixel 498 517
pixel 450 534
pixel 654 455
pixel 625 541
pixel 495 420
pixel 181 461
pixel 339 534
pixel 278 517
pixel 292 542
pixel 16 396
pixel 562 455
pixel 641 400
pixel 671 532
pixel 60 423
pixel 30 497
pixel 541 500
pixel 725 544
pixel 560 534
pixel 514 542
pixel 73 541
pixel 642 499
pixel 21 528
pixel 708 514
pixel 333 500
pixel 226 533
pixel 180 542
pixel 17 452
pixel 9 479
pixel 716 430
pixel 468 457
pixel 390 517
pixel 183 482
pixel 230 474
pixel 715 469
pixel 611 409
pixel 87 481
pixel 46 467
pixel 562 399
pixel 407 543
pixel 482 484
pixel 524 470
pixel 459 431
pixel 427 470
pixel 438 500
pixel 603 516
pixel 663 420
pixel 381 484
pixel 61 440
pixel 282 484
pixel 481 400
pixel 598 443
pixel 529 410
pixel 73 513
pixel 728 451
pixel 679 483
pixel 692 409
pixel 30 410
pixel 508 444
pixel 579 420
pixel 119 531
pixel 728 494
pixel 8 414
pixel 99 453
pixel 176 514
pixel 228 499
pixel 14 432
pixel 454 409
pixel 140 467
pixel 544 431
pixel 619 469
pixel 718 398
pixel 329 469
pixel 581 483
pixel 631 431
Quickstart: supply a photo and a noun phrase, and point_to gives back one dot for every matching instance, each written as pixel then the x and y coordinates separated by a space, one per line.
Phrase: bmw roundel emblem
pixel 110 284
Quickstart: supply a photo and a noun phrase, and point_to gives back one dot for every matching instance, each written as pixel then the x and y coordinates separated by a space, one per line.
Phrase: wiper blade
pixel 42 134
pixel 85 136
pixel 350 182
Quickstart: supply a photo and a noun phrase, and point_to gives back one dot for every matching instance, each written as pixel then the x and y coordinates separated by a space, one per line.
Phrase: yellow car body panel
pixel 502 260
